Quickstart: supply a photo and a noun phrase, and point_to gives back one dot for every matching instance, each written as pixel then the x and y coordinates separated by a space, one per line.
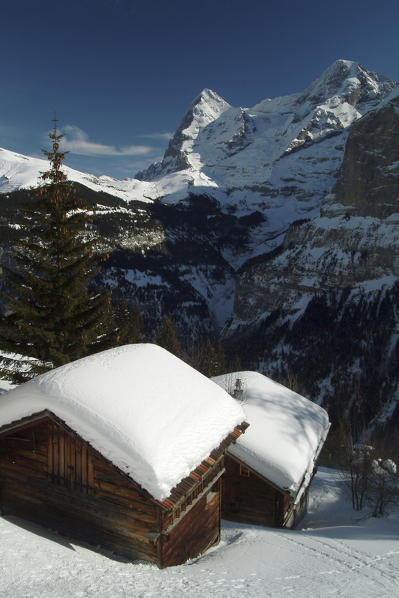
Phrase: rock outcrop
pixel 325 304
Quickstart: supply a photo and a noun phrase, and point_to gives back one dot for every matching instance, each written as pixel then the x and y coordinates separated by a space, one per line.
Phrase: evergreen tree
pixel 166 337
pixel 208 359
pixel 194 354
pixel 51 318
pixel 220 359
pixel 235 364
pixel 212 360
pixel 129 323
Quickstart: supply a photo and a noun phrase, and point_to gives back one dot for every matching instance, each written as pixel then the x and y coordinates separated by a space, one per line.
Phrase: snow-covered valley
pixel 336 552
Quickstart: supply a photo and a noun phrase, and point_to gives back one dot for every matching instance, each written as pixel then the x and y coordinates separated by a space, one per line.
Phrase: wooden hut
pixel 268 472
pixel 124 449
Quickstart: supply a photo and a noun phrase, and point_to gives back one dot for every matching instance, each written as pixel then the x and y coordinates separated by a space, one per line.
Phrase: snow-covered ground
pixel 336 553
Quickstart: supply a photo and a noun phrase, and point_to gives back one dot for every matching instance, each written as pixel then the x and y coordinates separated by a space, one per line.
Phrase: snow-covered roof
pixel 145 410
pixel 285 434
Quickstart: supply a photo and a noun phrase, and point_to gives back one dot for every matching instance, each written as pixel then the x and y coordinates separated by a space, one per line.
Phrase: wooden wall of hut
pixel 196 531
pixel 49 475
pixel 54 478
pixel 248 498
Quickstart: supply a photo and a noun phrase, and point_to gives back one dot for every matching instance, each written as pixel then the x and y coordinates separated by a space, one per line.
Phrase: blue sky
pixel 121 73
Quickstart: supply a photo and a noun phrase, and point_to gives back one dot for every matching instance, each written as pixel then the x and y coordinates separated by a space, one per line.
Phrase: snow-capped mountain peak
pixel 348 81
pixel 235 147
pixel 248 157
pixel 204 109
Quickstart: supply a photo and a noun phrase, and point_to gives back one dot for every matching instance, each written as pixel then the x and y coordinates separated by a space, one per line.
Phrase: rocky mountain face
pixel 273 226
pixel 324 306
pixel 207 107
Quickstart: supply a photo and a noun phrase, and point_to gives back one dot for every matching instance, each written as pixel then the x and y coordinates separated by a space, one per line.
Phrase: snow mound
pixel 145 410
pixel 286 430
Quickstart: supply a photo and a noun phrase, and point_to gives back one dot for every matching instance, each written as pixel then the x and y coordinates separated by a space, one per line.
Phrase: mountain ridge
pixel 274 226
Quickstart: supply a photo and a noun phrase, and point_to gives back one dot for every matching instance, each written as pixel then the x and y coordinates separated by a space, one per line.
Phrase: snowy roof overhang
pixel 145 410
pixel 286 431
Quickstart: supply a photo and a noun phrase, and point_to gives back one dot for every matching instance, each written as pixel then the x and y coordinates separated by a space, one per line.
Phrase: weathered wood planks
pixel 198 530
pixel 49 475
pixel 248 498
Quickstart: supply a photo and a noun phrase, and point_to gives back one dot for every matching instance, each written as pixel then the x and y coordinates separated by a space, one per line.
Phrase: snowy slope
pixel 22 172
pixel 234 153
pixel 336 554
pixel 279 157
pixel 239 149
pixel 286 430
pixel 144 409
pixel 5 386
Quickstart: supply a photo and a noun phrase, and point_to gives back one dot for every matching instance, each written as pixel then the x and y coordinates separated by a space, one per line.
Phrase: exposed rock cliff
pixel 368 184
pixel 325 304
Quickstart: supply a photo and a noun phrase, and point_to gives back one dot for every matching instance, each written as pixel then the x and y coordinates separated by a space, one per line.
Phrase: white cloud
pixel 76 141
pixel 161 136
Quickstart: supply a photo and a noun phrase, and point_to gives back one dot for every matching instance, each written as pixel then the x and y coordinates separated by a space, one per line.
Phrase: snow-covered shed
pixel 123 449
pixel 268 471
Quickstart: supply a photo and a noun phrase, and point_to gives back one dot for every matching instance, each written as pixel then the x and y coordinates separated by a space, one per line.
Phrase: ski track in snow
pixel 348 560
pixel 340 556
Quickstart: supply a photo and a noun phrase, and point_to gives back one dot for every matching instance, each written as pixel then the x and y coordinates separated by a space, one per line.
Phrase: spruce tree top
pixel 55 174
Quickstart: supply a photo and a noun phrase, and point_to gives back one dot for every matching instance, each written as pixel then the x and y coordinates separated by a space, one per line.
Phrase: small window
pixel 244 471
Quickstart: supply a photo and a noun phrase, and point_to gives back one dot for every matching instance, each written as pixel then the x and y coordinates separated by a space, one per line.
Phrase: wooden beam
pixel 193 503
pixel 25 422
